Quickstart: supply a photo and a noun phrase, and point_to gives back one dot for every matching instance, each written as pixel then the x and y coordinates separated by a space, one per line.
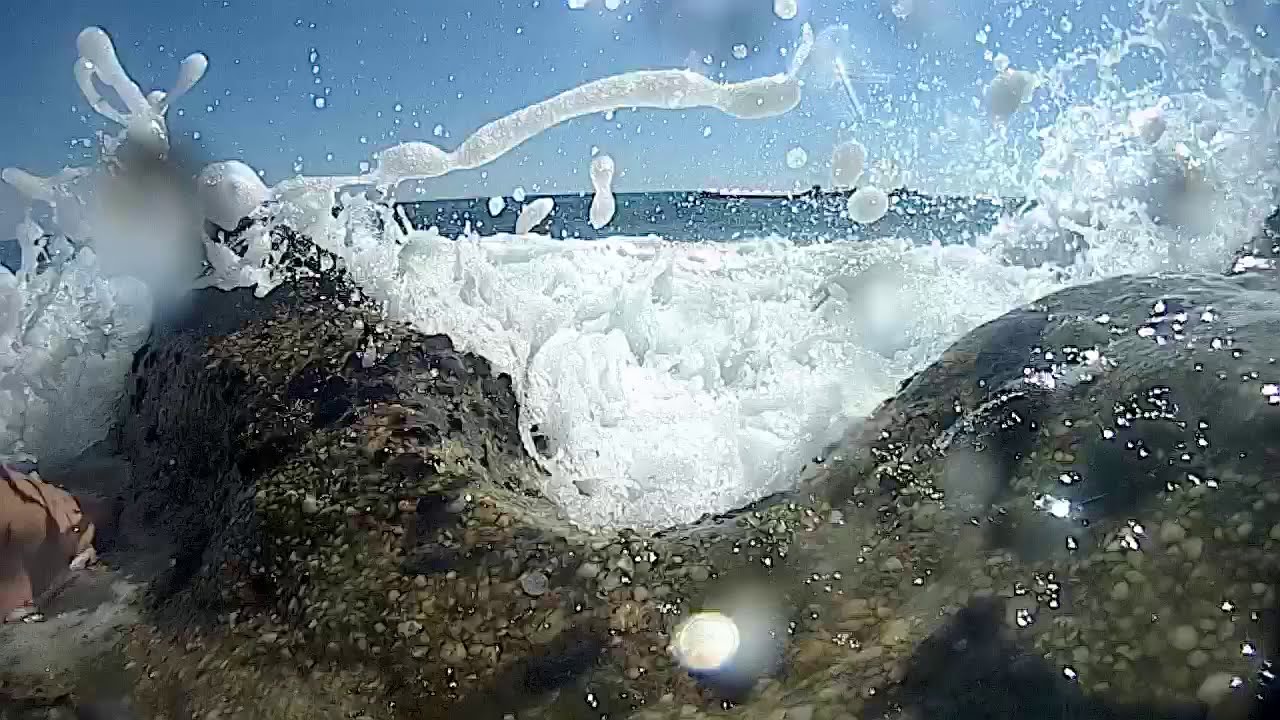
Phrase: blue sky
pixel 395 70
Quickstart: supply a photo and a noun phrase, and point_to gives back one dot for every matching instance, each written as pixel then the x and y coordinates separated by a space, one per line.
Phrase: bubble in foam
pixel 228 192
pixel 867 205
pixel 413 159
pixel 603 204
pixel 533 214
pixel 740 51
pixel 496 206
pixel 1009 91
pixel 785 9
pixel 1149 123
pixel 797 158
pixel 847 159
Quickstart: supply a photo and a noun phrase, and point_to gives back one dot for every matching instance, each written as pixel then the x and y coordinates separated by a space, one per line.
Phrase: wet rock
pixel 423 488
pixel 1171 532
pixel 533 583
pixel 1120 591
pixel 1184 637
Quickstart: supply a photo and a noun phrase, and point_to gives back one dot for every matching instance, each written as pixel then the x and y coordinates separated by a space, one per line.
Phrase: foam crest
pixel 659 381
pixel 143 117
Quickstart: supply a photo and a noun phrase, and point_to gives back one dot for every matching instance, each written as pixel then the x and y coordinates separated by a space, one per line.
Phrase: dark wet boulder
pixel 361 530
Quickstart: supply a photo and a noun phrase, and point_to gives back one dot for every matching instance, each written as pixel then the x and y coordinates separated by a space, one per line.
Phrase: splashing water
pixel 663 380
pixel 830 67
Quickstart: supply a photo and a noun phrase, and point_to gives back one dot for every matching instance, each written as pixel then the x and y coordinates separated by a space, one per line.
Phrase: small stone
pixel 626 617
pixel 1171 532
pixel 1244 530
pixel 611 581
pixel 1193 548
pixel 310 506
pixel 588 570
pixel 550 627
pixel 895 631
pixel 892 564
pixel 699 573
pixel 640 594
pixel 452 651
pixel 1120 591
pixel 1184 637
pixel 1275 532
pixel 1197 658
pixel 533 583
pixel 1080 655
pixel 1214 688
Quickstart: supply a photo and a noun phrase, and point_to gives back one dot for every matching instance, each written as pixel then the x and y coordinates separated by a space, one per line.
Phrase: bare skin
pixel 44 534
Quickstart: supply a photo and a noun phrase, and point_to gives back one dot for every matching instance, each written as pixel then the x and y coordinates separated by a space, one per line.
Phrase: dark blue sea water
pixel 700 216
pixel 694 216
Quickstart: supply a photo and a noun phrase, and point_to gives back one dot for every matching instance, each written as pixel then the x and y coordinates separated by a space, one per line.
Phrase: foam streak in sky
pixel 665 89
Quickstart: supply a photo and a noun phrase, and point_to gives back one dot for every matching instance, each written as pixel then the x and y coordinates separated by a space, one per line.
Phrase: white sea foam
pixel 669 380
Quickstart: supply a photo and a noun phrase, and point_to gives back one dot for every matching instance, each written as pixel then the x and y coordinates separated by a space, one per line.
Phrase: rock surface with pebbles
pixel 1069 514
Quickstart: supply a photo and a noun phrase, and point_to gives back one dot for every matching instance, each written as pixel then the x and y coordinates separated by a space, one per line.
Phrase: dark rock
pixel 326 496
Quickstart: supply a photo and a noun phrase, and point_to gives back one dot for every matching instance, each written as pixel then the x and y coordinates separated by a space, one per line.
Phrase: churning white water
pixel 668 380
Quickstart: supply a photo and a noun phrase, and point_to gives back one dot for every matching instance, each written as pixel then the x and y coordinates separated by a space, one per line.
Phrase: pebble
pixel 1214 688
pixel 1193 548
pixel 1184 637
pixel 1275 532
pixel 1120 591
pixel 1172 532
pixel 452 651
pixel 699 573
pixel 533 583
pixel 611 581
pixel 892 564
pixel 588 570
pixel 1198 658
